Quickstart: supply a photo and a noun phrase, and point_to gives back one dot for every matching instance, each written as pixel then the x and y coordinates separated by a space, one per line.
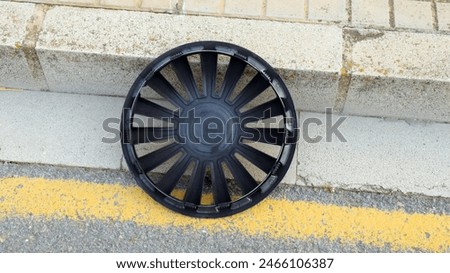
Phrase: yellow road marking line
pixel 60 199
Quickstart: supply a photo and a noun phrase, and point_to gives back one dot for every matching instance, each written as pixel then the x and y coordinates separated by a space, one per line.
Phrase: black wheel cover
pixel 207 102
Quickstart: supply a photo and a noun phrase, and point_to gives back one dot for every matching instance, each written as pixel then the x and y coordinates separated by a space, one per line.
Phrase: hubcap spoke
pixel 184 74
pixel 209 71
pixel 219 184
pixel 194 191
pixel 245 180
pixel 150 109
pixel 255 87
pixel 274 136
pixel 261 160
pixel 165 89
pixel 266 110
pixel 171 178
pixel 151 134
pixel 154 159
pixel 232 76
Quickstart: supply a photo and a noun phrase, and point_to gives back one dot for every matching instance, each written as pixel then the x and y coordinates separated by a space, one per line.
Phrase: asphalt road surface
pixel 64 209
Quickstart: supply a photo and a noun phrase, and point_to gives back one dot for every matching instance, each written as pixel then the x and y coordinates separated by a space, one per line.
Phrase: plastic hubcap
pixel 217 159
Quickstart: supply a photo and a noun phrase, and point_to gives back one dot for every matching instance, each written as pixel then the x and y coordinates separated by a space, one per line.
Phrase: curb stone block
pixel 413 14
pixel 370 12
pixel 14 68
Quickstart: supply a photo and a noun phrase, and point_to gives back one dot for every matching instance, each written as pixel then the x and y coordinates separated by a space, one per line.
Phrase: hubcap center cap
pixel 208 128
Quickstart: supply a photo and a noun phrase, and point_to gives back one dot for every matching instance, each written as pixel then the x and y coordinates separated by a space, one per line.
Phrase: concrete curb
pixel 355 71
pixel 379 155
